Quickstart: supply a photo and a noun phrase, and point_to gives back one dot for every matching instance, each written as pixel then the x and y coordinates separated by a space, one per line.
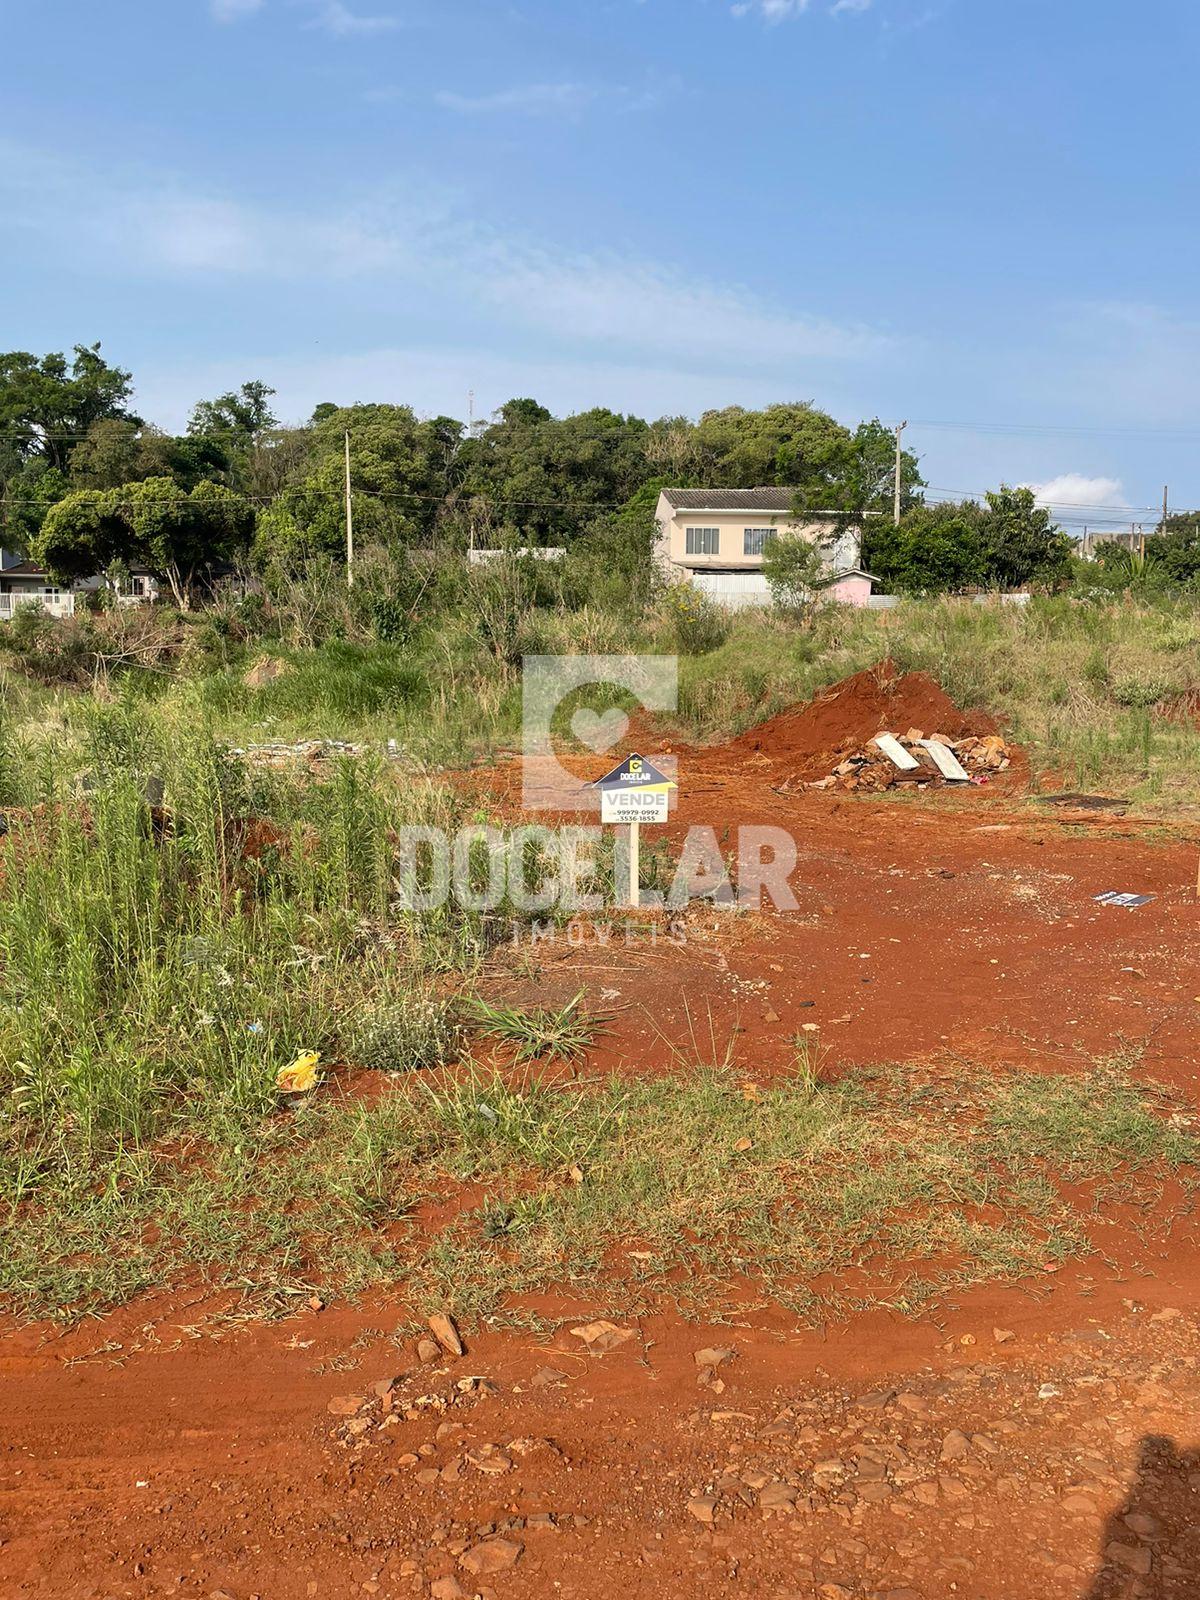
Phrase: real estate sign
pixel 636 791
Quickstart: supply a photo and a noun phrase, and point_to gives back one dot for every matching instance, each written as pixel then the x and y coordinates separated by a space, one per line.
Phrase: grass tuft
pixel 539 1033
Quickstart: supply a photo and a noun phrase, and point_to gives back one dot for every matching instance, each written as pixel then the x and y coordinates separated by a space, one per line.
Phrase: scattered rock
pixel 601 1337
pixel 428 1350
pixel 916 1405
pixel 877 1399
pixel 545 1376
pixel 489 1459
pixel 1133 1557
pixel 1080 1505
pixel 955 1445
pixel 712 1357
pixel 441 1326
pixel 346 1405
pixel 1140 1522
pixel 952 1488
pixel 703 1507
pixel 875 1491
pixel 777 1499
pixel 447 1588
pixel 492 1555
pixel 1003 1335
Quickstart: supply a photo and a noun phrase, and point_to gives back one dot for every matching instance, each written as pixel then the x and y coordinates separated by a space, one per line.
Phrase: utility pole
pixel 1163 529
pixel 349 518
pixel 900 427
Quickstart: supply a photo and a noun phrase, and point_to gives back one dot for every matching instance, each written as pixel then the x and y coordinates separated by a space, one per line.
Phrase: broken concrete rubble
pixel 871 767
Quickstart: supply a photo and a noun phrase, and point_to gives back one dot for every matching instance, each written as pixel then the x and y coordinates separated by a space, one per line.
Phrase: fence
pixel 57 602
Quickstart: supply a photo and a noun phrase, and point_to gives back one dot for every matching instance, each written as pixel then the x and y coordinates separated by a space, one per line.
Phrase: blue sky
pixel 968 212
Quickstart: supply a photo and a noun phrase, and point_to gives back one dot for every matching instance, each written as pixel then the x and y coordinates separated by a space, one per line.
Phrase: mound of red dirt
pixel 808 739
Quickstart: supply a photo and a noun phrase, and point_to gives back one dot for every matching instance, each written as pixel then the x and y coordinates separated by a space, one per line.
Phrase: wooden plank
pixel 895 752
pixel 946 761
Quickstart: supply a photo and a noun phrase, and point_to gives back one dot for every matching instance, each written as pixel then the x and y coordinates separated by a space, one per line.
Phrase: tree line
pixel 87 486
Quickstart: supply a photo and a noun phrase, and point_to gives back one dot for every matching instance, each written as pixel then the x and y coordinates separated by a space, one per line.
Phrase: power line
pixel 1072 505
pixel 1072 430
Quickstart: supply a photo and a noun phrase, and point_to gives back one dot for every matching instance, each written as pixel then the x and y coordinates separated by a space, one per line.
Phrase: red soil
pixel 929 1457
pixel 880 700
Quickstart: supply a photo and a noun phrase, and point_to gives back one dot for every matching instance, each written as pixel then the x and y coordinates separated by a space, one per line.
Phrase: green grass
pixel 158 968
pixel 538 1033
pixel 1083 685
pixel 1079 685
pixel 877 1190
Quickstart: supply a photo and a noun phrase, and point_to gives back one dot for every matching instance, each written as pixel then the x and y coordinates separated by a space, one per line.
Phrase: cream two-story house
pixel 714 539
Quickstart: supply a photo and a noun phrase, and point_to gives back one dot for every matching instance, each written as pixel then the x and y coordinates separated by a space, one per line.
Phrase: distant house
pixel 714 539
pixel 23 583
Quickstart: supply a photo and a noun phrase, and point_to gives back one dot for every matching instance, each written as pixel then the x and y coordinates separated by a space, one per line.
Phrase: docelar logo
pixel 547 682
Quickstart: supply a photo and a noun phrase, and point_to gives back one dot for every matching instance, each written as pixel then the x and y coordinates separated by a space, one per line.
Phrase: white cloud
pixel 771 10
pixel 535 99
pixel 424 248
pixel 615 300
pixel 234 10
pixel 567 99
pixel 1076 490
pixel 332 16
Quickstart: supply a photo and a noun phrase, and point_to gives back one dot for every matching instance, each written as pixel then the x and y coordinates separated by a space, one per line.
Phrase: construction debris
pixel 914 758
pixel 279 753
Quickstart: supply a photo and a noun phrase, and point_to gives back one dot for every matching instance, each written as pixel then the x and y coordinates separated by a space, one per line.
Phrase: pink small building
pixel 851 587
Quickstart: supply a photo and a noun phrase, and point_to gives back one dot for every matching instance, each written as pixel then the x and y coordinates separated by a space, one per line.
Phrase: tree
pixel 400 470
pixel 795 568
pixel 238 417
pixel 1175 549
pixel 179 535
pixel 550 477
pixel 182 535
pixel 934 550
pixel 48 404
pixel 117 451
pixel 30 489
pixel 1023 544
pixel 82 535
pixel 781 446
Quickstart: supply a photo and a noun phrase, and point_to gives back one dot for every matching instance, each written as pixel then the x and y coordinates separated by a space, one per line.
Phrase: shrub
pixel 406 1035
pixel 697 625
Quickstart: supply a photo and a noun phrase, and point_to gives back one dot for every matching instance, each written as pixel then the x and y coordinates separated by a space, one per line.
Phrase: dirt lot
pixel 1036 1438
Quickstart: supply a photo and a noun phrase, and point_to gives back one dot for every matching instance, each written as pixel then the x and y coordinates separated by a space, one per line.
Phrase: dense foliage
pixel 86 485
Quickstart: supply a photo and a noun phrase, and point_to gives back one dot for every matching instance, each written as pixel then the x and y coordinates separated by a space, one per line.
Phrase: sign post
pixel 633 793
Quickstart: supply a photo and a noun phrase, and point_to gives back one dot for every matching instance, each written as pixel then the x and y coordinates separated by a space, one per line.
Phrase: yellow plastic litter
pixel 301 1076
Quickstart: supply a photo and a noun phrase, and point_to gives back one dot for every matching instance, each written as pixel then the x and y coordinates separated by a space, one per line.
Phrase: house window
pixel 703 541
pixel 756 540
